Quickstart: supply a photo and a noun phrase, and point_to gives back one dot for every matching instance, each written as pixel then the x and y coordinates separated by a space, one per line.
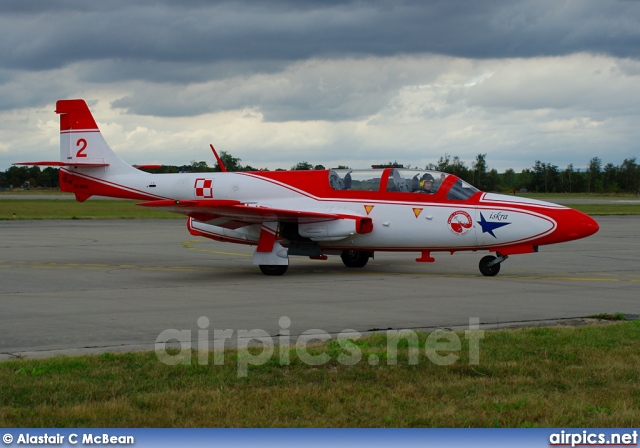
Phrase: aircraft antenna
pixel 220 163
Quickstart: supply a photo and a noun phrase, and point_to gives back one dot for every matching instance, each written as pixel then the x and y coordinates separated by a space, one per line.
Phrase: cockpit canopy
pixel 400 180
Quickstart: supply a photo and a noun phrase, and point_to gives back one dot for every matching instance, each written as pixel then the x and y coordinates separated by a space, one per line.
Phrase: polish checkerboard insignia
pixel 204 188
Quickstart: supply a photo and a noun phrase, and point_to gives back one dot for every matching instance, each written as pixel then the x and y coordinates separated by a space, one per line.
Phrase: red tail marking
pixel 75 115
pixel 82 144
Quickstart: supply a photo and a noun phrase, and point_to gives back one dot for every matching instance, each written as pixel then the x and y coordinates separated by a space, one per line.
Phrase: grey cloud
pixel 199 56
pixel 314 90
pixel 44 35
pixel 595 85
pixel 117 70
pixel 28 89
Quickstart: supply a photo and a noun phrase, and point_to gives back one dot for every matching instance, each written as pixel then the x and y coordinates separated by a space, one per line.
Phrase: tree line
pixel 542 177
pixel 545 177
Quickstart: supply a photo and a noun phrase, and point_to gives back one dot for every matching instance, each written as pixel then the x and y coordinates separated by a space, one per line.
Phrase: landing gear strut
pixel 490 265
pixel 355 258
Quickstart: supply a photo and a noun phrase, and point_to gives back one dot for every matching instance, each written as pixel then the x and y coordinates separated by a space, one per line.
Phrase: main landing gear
pixel 355 258
pixel 490 265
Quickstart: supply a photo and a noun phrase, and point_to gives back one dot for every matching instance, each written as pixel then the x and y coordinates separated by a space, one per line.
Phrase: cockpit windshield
pixel 401 180
pixel 363 180
pixel 415 181
pixel 461 191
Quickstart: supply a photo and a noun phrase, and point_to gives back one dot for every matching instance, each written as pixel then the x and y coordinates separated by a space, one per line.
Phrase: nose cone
pixel 578 225
pixel 589 226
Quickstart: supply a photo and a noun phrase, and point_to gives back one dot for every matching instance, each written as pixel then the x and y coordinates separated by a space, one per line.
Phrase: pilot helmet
pixel 426 178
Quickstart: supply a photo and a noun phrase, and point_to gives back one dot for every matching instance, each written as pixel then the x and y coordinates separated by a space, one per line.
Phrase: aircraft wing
pixel 239 212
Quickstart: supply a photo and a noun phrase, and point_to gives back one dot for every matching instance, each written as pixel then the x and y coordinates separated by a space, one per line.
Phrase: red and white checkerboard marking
pixel 204 188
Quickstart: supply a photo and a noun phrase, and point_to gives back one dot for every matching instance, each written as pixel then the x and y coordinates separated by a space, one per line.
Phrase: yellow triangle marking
pixel 368 208
pixel 417 211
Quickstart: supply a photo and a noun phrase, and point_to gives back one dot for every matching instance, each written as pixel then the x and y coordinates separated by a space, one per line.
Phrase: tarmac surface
pixel 75 286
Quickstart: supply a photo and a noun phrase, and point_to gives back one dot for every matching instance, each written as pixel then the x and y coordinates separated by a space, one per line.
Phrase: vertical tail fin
pixel 81 143
pixel 87 164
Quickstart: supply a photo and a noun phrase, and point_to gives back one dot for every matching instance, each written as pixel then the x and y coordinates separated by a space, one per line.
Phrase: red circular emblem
pixel 460 222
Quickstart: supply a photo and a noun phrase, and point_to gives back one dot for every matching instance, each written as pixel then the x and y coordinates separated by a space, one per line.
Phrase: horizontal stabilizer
pixel 148 166
pixel 86 164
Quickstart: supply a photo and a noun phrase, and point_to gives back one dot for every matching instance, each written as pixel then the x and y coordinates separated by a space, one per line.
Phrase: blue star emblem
pixel 489 227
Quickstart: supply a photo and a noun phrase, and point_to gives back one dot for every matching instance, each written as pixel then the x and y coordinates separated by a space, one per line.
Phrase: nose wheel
pixel 273 269
pixel 490 265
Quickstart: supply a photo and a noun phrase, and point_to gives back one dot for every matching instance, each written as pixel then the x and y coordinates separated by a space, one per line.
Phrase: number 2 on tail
pixel 81 152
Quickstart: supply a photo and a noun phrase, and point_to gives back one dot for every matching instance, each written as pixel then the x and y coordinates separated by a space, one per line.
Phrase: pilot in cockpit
pixel 425 185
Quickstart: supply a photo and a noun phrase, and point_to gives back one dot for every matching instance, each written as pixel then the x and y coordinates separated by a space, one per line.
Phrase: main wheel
pixel 487 270
pixel 355 258
pixel 273 269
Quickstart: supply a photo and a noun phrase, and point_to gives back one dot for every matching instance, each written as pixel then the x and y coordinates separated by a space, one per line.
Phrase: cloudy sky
pixel 276 82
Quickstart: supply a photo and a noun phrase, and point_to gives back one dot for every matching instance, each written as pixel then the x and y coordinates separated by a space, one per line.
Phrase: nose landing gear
pixel 490 265
pixel 273 269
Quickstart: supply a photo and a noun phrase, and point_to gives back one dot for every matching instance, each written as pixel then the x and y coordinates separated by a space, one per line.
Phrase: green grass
pixel 607 209
pixel 537 377
pixel 35 192
pixel 70 209
pixel 595 196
